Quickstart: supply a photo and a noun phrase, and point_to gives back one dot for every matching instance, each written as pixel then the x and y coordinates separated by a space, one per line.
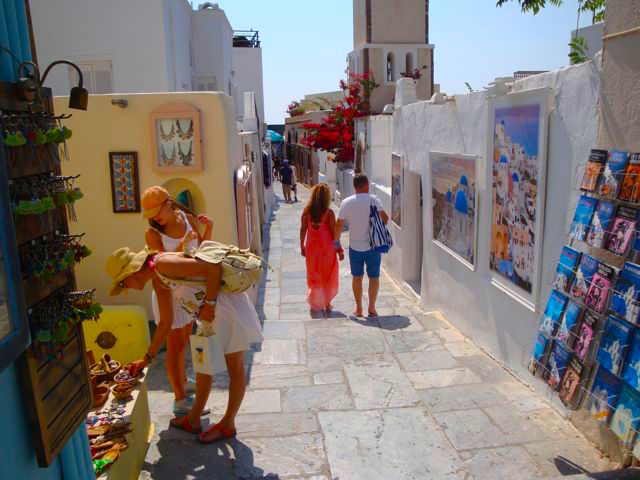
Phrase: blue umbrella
pixel 274 136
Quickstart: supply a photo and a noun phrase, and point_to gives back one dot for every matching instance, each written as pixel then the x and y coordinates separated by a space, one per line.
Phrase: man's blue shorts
pixel 371 258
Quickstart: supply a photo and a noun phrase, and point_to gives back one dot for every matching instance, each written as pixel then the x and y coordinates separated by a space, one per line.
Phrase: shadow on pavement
pixel 228 459
pixel 385 322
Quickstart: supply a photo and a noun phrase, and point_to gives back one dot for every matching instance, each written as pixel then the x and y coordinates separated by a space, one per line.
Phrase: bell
pixel 78 98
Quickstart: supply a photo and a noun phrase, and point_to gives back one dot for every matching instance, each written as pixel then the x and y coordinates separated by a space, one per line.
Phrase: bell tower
pixel 391 40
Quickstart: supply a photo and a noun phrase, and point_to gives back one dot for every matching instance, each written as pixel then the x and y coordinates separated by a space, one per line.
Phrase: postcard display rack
pixel 588 340
pixel 54 369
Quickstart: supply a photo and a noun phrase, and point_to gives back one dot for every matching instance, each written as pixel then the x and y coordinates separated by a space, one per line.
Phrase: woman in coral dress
pixel 316 245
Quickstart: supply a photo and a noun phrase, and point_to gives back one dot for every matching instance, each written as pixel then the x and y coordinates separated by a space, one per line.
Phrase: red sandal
pixel 226 433
pixel 182 423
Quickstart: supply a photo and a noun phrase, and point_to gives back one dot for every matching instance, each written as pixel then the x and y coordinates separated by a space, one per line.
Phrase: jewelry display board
pixel 53 370
pixel 175 134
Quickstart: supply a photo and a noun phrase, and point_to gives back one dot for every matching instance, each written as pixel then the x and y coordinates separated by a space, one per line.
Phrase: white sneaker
pixel 183 407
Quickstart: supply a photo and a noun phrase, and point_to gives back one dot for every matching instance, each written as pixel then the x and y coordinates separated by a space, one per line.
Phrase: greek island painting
pixel 453 192
pixel 517 169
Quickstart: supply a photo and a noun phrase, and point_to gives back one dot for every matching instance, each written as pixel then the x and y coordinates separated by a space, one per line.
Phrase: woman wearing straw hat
pixel 170 230
pixel 233 315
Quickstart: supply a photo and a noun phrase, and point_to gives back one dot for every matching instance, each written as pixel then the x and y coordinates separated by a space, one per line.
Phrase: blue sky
pixel 305 43
pixel 521 125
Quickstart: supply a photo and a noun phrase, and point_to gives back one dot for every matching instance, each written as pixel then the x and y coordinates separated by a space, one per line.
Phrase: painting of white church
pixel 453 187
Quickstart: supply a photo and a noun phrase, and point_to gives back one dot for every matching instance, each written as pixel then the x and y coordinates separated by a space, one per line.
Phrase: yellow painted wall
pixel 104 128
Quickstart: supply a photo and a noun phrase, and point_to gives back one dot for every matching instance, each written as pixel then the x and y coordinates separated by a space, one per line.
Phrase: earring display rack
pixel 56 383
pixel 598 277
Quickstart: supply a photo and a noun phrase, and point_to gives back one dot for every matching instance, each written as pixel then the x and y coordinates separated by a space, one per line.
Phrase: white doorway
pixel 413 215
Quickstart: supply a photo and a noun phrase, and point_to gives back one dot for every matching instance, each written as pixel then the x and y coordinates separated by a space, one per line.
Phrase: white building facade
pixel 144 46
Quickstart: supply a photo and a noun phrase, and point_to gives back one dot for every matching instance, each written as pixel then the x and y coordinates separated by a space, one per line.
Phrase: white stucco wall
pixel 247 63
pixel 129 34
pixel 212 46
pixel 494 320
pixel 177 18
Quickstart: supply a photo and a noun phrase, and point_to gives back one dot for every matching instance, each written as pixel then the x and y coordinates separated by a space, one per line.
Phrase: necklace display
pixel 186 158
pixel 185 135
pixel 168 159
pixel 163 134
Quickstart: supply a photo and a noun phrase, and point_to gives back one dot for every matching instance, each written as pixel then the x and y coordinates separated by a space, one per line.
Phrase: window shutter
pixel 103 77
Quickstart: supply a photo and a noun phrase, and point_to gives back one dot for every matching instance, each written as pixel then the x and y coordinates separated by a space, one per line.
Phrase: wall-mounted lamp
pixel 120 102
pixel 29 85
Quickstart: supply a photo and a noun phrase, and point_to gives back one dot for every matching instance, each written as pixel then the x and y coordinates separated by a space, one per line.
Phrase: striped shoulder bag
pixel 379 236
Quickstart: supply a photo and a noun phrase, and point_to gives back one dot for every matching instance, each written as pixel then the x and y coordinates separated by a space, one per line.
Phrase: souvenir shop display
pixel 597 160
pixel 109 423
pixel 609 182
pixel 600 223
pixel 571 382
pixel 630 188
pixel 566 269
pixel 626 418
pixel 631 370
pixel 551 318
pixel 582 218
pixel 588 344
pixel 40 202
pixel 572 313
pixel 613 345
pixel 624 302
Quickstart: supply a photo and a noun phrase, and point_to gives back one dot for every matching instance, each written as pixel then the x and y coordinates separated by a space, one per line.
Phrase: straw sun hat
pixel 123 263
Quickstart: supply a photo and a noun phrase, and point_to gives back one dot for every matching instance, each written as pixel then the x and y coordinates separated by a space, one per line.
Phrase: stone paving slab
pixel 380 385
pixel 396 443
pixel 330 396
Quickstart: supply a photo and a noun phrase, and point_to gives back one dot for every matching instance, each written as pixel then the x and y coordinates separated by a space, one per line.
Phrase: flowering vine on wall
pixel 294 109
pixel 336 131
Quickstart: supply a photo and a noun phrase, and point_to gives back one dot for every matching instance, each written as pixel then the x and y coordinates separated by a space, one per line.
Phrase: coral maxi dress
pixel 322 264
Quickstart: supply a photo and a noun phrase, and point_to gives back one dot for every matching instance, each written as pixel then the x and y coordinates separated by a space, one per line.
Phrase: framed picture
pixel 125 186
pixel 454 200
pixel 396 188
pixel 175 133
pixel 516 174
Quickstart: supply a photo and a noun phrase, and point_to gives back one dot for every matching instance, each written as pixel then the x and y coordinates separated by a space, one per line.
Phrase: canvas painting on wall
pixel 125 188
pixel 454 204
pixel 396 189
pixel 516 174
pixel 176 138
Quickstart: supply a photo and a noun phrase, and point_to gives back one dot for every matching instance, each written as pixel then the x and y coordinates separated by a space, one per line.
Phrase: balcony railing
pixel 246 38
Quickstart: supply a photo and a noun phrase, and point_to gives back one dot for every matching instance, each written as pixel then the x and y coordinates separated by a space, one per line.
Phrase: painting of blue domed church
pixel 515 172
pixel 453 186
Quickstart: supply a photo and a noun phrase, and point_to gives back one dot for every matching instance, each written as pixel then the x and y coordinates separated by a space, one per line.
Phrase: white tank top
pixel 169 244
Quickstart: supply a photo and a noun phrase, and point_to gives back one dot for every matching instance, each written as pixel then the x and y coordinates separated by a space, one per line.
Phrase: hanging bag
pixel 206 352
pixel 241 269
pixel 379 237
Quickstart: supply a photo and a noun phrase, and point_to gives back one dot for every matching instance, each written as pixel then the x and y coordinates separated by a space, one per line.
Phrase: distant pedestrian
pixel 294 185
pixel 276 168
pixel 317 246
pixel 355 210
pixel 286 177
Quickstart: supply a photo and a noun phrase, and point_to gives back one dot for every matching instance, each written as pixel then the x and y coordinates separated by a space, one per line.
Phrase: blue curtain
pixel 14 35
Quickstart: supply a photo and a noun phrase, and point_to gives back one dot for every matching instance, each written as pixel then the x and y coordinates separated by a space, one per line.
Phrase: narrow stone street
pixel 403 395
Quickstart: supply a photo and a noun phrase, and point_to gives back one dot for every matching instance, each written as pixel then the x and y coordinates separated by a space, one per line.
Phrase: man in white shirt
pixel 354 210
